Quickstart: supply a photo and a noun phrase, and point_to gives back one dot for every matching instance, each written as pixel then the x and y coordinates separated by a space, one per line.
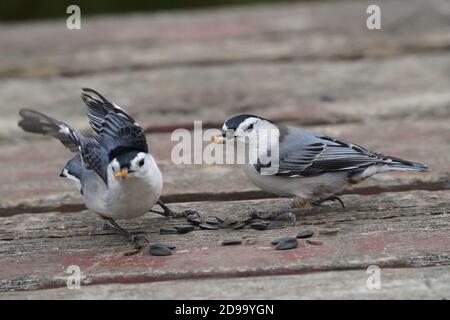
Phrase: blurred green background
pixel 17 10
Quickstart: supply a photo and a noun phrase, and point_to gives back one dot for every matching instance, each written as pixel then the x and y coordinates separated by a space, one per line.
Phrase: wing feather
pixel 116 130
pixel 324 155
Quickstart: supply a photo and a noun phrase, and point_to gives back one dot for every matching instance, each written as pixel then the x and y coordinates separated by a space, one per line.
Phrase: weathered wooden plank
pixel 390 230
pixel 31 179
pixel 281 32
pixel 402 283
pixel 412 86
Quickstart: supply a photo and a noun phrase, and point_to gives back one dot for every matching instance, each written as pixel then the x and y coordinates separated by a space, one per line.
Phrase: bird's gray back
pixel 294 139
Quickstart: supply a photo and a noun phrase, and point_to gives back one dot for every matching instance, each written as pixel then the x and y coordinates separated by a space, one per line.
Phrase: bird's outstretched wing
pixel 94 156
pixel 310 155
pixel 36 122
pixel 116 130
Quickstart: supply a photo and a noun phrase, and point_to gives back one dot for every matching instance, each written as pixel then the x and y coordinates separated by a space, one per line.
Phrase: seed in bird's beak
pixel 218 139
pixel 123 173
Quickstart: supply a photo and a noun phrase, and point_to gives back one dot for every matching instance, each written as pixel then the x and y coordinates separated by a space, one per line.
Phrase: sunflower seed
pixel 211 221
pixel 132 252
pixel 305 234
pixel 314 242
pixel 259 226
pixel 239 226
pixel 227 224
pixel 247 219
pixel 159 250
pixel 207 226
pixel 220 220
pixel 184 229
pixel 276 225
pixel 191 213
pixel 195 221
pixel 274 242
pixel 231 242
pixel 286 244
pixel 167 230
pixel 329 231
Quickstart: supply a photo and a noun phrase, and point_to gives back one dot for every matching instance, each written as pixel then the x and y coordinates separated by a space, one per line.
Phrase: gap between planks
pixel 233 196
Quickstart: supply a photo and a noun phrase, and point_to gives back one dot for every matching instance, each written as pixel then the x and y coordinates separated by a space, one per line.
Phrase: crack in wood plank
pixel 442 184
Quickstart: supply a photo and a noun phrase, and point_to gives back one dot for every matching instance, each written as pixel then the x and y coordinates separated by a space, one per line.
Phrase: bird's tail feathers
pixel 397 164
pixel 36 122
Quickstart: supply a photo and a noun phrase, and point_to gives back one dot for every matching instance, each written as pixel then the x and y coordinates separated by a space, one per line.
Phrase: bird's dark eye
pixel 141 163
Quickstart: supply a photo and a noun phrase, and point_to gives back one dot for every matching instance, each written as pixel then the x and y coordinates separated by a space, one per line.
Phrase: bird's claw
pixel 138 241
pixel 332 198
pixel 169 213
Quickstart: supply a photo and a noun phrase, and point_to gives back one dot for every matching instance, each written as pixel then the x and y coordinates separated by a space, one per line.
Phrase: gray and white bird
pixel 117 176
pixel 311 168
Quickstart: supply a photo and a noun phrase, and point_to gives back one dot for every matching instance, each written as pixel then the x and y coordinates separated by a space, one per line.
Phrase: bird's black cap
pixel 125 158
pixel 234 122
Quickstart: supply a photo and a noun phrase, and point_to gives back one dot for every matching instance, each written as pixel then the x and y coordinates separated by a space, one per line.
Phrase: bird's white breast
pixel 303 187
pixel 126 198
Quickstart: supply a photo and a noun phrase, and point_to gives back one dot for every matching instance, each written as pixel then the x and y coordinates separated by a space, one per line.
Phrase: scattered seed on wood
pixel 220 220
pixel 275 242
pixel 239 226
pixel 302 234
pixel 329 231
pixel 195 221
pixel 314 242
pixel 159 250
pixel 167 230
pixel 231 242
pixel 227 224
pixel 286 216
pixel 276 225
pixel 287 243
pixel 191 213
pixel 259 226
pixel 212 221
pixel 247 219
pixel 132 252
pixel 207 226
pixel 184 229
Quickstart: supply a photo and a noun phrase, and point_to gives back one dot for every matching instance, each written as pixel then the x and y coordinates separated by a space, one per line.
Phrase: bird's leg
pixel 137 240
pixel 167 212
pixel 283 213
pixel 332 198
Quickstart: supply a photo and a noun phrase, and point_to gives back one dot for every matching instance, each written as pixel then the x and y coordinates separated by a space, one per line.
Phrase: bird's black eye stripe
pixel 250 127
pixel 141 162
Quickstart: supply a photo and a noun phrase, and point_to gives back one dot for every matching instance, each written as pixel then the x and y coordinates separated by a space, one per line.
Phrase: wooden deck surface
pixel 312 65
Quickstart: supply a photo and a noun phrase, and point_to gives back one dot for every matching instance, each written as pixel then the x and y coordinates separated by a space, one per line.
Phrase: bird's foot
pixel 332 198
pixel 284 214
pixel 169 213
pixel 138 241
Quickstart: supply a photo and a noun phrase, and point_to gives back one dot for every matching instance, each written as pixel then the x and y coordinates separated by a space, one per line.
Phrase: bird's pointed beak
pixel 219 139
pixel 123 173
